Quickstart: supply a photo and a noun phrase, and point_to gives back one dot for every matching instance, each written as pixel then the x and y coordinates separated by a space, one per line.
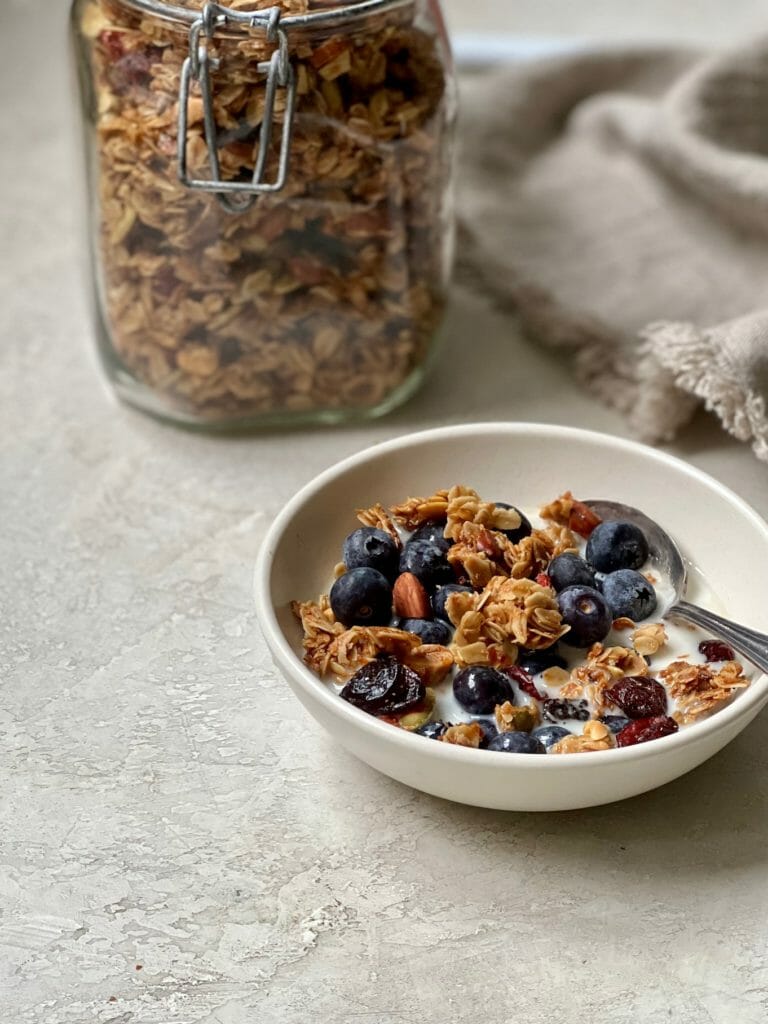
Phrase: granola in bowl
pixel 317 300
pixel 470 622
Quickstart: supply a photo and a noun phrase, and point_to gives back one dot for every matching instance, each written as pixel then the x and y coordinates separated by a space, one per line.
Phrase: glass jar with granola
pixel 269 187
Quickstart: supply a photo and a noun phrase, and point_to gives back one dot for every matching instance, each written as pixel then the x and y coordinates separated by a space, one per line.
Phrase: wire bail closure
pixel 236 196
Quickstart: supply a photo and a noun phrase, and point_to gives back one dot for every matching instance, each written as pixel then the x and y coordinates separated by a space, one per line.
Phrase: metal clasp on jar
pixel 236 196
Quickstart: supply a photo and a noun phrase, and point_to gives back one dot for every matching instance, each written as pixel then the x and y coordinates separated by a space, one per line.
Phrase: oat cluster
pixel 333 650
pixel 513 718
pixel 378 517
pixel 507 613
pixel 700 689
pixel 322 296
pixel 601 668
pixel 594 736
pixel 466 734
pixel 649 638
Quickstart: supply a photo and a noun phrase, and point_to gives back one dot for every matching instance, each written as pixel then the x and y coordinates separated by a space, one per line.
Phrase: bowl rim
pixel 288 661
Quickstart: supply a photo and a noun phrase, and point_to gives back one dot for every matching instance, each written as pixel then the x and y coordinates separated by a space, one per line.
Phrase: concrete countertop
pixel 178 841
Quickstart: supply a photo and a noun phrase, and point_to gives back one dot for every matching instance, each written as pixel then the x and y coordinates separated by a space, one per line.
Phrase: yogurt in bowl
pixel 530 461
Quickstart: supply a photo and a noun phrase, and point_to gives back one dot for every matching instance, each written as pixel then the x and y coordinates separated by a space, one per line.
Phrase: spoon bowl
pixel 666 556
pixel 665 553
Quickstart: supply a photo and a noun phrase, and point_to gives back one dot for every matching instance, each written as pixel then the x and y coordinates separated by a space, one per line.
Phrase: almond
pixel 410 598
pixel 582 519
pixel 334 49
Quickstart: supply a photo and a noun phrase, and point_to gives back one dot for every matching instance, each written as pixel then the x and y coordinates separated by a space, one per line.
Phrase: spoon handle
pixel 750 643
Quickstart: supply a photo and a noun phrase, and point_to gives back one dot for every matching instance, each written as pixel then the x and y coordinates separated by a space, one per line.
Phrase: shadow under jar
pixel 270 202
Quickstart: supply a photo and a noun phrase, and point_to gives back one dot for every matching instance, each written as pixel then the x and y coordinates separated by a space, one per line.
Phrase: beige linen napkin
pixel 619 203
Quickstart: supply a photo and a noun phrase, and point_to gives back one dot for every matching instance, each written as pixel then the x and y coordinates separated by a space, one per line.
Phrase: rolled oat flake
pixel 270 203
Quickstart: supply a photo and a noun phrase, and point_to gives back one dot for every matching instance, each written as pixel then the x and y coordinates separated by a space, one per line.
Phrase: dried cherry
pixel 638 696
pixel 644 729
pixel 113 43
pixel 716 650
pixel 384 687
pixel 524 681
pixel 132 70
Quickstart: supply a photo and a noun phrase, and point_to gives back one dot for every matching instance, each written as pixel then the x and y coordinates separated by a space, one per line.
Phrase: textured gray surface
pixel 164 802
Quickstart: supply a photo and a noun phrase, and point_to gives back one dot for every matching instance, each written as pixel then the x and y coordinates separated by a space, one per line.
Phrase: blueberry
pixel 431 533
pixel 586 611
pixel 516 743
pixel 372 549
pixel 479 689
pixel 523 530
pixel 490 731
pixel 536 662
pixel 427 562
pixel 629 594
pixel 615 722
pixel 362 597
pixel 442 594
pixel 616 544
pixel 432 730
pixel 430 632
pixel 570 570
pixel 549 734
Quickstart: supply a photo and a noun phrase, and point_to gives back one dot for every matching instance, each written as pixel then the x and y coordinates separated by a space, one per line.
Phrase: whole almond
pixel 410 598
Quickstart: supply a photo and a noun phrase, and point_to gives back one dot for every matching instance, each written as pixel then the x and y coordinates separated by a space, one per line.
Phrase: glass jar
pixel 270 203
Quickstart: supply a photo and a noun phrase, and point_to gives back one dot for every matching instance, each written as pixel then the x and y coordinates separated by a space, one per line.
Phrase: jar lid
pixel 258 13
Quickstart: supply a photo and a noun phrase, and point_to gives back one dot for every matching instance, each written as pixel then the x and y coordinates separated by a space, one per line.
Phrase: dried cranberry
pixel 558 710
pixel 543 580
pixel 132 69
pixel 638 696
pixel 644 729
pixel 384 687
pixel 498 658
pixel 716 650
pixel 165 281
pixel 167 143
pixel 307 271
pixel 113 43
pixel 524 681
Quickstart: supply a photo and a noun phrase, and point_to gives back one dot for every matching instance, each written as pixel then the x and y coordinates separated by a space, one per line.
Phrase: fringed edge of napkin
pixel 675 368
pixel 680 357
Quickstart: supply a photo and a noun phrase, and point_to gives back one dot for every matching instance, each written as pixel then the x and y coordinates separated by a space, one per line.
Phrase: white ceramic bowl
pixel 526 464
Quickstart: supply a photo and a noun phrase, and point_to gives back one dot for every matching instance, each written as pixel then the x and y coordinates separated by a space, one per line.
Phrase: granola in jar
pixel 281 251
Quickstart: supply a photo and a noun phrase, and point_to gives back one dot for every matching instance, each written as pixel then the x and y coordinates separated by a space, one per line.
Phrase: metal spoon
pixel 666 554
